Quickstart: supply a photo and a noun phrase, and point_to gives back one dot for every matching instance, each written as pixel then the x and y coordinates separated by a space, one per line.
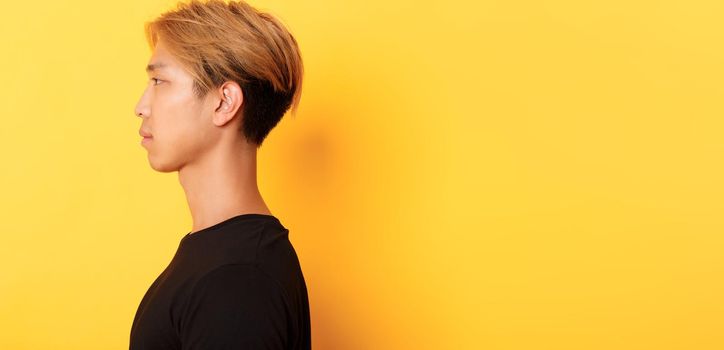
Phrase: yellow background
pixel 460 175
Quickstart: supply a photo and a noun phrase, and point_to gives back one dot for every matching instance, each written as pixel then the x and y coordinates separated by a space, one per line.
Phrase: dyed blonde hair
pixel 217 42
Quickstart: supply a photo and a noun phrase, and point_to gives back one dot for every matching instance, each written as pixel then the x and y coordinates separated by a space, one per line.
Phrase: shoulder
pixel 235 303
pixel 236 281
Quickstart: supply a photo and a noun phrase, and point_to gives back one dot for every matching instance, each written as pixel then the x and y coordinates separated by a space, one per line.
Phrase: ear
pixel 227 100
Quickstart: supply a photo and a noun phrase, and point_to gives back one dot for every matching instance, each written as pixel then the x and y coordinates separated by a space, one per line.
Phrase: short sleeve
pixel 235 306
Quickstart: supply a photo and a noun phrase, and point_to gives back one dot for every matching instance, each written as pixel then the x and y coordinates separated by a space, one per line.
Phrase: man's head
pixel 218 71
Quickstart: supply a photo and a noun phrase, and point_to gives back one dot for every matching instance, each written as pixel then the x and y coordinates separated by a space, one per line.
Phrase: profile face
pixel 179 123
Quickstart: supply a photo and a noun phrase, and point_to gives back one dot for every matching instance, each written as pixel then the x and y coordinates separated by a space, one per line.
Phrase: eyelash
pixel 156 79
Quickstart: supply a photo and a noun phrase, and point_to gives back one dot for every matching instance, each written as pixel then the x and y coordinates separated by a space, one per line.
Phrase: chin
pixel 162 166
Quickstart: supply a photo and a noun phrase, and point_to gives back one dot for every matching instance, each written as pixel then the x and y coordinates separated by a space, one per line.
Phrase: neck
pixel 222 185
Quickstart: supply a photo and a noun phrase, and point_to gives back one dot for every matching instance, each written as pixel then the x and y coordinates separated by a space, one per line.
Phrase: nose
pixel 142 109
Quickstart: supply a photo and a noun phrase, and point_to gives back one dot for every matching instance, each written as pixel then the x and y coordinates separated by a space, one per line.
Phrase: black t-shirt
pixel 234 285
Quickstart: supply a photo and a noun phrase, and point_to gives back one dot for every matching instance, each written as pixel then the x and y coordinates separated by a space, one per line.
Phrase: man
pixel 222 75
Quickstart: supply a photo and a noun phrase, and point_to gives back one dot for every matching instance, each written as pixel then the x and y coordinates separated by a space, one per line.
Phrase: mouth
pixel 144 133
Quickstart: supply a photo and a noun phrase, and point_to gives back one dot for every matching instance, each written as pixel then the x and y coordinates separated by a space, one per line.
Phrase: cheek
pixel 180 125
pixel 171 117
pixel 183 131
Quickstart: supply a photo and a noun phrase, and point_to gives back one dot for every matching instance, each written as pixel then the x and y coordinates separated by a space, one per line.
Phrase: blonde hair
pixel 217 42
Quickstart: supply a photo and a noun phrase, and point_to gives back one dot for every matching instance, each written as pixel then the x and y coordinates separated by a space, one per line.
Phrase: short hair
pixel 217 42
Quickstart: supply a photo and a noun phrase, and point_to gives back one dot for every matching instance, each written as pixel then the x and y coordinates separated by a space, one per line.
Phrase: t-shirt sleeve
pixel 236 306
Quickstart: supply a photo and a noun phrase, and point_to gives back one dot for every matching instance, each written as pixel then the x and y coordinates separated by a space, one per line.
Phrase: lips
pixel 144 133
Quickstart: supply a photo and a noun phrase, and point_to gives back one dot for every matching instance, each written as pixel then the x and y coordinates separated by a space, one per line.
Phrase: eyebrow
pixel 153 66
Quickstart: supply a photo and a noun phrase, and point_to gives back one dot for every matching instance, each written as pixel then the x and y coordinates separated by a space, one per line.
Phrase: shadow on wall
pixel 323 178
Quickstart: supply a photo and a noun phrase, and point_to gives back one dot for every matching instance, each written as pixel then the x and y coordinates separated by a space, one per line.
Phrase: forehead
pixel 161 60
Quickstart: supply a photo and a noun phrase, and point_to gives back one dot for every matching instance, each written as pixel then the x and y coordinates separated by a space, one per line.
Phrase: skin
pixel 199 138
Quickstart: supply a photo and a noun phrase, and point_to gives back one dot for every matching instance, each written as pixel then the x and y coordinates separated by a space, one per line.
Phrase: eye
pixel 156 81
